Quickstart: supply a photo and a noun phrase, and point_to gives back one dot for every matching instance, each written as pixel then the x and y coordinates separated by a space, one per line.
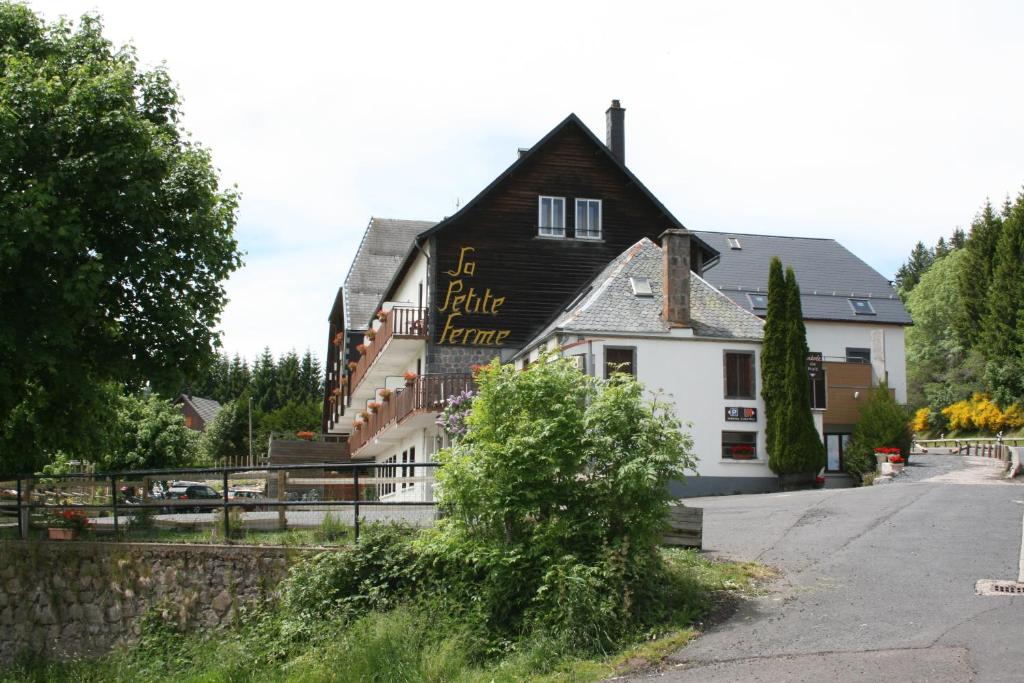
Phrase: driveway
pixel 876 583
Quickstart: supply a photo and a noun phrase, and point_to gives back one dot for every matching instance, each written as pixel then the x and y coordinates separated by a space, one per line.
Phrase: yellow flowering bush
pixel 979 413
pixel 920 422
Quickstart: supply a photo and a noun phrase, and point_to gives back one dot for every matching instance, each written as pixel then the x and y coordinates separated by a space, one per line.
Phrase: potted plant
pixel 64 525
pixel 305 436
pixel 410 378
pixel 742 452
pixel 385 394
pixel 371 334
pixel 361 348
pixel 380 314
pixel 373 406
pixel 352 365
pixel 365 415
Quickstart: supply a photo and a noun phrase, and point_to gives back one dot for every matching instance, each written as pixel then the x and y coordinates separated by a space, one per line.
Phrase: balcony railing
pixel 400 321
pixel 424 394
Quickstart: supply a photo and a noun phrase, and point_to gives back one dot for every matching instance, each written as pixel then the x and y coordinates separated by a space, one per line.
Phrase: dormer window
pixel 551 216
pixel 588 219
pixel 758 302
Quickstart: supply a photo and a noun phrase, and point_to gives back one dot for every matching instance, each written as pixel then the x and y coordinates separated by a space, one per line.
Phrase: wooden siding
pixel 527 279
pixel 843 380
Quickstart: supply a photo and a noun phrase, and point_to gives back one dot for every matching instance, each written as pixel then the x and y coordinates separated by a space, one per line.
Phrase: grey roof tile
pixel 609 304
pixel 206 408
pixel 382 250
pixel 829 275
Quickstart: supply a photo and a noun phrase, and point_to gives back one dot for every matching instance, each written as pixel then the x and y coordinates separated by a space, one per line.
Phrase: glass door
pixel 834 446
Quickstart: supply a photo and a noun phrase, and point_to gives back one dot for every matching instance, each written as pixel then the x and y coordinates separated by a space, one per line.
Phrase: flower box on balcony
pixel 381 314
pixel 352 365
pixel 373 406
pixel 371 334
pixel 361 348
pixel 385 395
pixel 410 377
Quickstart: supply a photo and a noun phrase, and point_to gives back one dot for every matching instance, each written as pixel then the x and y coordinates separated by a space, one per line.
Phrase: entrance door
pixel 834 445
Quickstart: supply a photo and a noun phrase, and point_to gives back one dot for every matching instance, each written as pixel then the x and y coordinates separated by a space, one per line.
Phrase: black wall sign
pixel 814 365
pixel 738 414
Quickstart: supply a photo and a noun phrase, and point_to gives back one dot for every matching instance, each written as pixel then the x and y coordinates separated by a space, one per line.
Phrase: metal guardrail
pixel 360 489
pixel 985 447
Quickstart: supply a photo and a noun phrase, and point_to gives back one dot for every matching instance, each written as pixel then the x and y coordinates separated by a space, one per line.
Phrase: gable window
pixel 551 216
pixel 739 374
pixel 758 302
pixel 862 307
pixel 619 360
pixel 588 219
pixel 858 355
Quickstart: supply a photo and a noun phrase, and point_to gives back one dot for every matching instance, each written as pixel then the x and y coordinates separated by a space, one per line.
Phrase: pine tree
pixel 288 380
pixel 1000 334
pixel 238 378
pixel 263 384
pixel 958 240
pixel 909 274
pixel 773 350
pixel 975 275
pixel 311 374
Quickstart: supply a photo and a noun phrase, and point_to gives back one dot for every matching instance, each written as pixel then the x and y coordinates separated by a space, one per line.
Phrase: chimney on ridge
pixel 615 136
pixel 675 249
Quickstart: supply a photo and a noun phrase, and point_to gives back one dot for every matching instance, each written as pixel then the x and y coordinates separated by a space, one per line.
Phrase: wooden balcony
pixel 425 395
pixel 399 324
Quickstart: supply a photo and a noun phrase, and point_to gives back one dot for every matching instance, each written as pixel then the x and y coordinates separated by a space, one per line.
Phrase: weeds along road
pixel 876 583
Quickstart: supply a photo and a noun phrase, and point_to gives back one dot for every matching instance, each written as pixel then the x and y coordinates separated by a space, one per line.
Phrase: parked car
pixel 191 491
pixel 245 495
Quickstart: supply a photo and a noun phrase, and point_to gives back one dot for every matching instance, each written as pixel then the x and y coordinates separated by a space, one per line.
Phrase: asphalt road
pixel 876 584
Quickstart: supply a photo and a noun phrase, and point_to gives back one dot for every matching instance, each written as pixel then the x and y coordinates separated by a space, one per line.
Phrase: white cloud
pixel 876 123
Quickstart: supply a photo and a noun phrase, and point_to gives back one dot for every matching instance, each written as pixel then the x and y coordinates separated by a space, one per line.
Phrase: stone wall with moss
pixel 71 599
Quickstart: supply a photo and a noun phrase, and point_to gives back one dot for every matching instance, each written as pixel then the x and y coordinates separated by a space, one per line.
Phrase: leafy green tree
pixel 559 486
pixel 797 447
pixel 882 423
pixel 152 434
pixel 909 274
pixel 115 236
pixel 773 350
pixel 975 275
pixel 228 434
pixel 934 349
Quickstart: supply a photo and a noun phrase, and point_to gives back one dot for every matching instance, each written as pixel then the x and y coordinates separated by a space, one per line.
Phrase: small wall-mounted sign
pixel 738 414
pixel 814 361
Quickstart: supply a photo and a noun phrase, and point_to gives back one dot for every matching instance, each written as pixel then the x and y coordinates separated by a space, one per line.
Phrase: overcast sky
pixel 875 123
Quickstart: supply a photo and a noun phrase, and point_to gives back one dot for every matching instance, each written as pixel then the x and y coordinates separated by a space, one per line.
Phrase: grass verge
pixel 411 643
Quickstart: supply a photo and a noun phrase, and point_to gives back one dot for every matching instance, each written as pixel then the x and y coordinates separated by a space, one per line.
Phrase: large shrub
pixel 555 499
pixel 883 422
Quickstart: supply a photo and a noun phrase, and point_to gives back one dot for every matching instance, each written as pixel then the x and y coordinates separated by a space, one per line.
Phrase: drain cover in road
pixel 996 587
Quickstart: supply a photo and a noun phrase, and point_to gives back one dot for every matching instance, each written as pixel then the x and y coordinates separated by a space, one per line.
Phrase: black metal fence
pixel 276 503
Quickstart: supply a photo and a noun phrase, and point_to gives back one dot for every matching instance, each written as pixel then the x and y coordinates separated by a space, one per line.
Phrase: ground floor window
pixel 739 445
pixel 834 446
pixel 408 456
pixel 388 473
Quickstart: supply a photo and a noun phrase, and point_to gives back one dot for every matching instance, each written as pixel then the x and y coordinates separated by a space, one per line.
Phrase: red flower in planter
pixel 896 459
pixel 373 405
pixel 742 452
pixel 410 377
pixel 306 436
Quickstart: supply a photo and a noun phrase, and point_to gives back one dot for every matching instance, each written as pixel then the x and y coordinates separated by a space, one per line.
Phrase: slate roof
pixel 608 303
pixel 206 408
pixel 829 275
pixel 385 244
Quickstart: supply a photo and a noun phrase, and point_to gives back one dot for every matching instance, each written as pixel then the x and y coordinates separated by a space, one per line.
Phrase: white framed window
pixel 551 216
pixel 588 219
pixel 862 307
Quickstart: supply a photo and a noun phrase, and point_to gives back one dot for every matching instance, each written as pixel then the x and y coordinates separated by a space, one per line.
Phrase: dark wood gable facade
pixel 496 280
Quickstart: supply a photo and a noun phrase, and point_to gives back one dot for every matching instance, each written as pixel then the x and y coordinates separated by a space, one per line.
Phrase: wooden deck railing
pixel 400 321
pixel 426 393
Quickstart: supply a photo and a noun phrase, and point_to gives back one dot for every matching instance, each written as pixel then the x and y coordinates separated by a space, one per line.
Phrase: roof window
pixel 862 307
pixel 641 286
pixel 734 243
pixel 759 302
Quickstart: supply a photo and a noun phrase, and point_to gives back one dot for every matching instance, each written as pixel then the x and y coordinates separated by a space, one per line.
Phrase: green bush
pixel 882 423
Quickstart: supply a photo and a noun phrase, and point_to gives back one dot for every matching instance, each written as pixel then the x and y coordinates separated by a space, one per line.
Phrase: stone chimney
pixel 675 275
pixel 615 137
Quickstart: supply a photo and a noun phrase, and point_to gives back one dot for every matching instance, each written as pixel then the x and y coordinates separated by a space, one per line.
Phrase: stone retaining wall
pixel 69 599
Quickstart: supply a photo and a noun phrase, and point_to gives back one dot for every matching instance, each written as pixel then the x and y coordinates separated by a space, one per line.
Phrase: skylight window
pixel 862 307
pixel 641 286
pixel 759 302
pixel 734 243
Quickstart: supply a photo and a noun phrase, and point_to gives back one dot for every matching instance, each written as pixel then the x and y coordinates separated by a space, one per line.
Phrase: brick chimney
pixel 675 249
pixel 615 138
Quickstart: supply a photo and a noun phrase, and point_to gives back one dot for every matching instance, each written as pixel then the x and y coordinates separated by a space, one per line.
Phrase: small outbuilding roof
pixel 829 276
pixel 206 408
pixel 610 303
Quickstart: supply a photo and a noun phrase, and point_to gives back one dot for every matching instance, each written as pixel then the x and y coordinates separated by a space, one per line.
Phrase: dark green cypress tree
pixel 797 445
pixel 773 350
pixel 975 275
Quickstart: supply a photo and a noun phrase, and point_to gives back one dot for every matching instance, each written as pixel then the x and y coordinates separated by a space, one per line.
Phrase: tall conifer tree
pixel 1005 290
pixel 773 350
pixel 975 274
